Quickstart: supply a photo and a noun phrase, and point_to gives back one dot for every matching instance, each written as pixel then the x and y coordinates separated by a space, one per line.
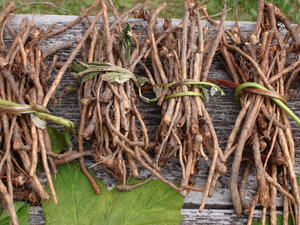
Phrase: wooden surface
pixel 223 111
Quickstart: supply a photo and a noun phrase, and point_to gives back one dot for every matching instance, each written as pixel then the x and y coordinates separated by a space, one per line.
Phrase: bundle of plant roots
pixel 24 96
pixel 265 64
pixel 110 119
pixel 181 57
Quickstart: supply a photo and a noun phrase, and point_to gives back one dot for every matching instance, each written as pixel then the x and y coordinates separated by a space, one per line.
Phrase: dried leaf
pixel 119 78
pixel 141 81
pixel 108 72
pixel 157 90
pixel 3 62
pixel 213 91
pixel 39 123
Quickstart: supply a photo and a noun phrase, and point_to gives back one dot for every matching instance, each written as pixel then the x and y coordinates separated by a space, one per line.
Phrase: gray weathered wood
pixel 223 111
pixel 191 217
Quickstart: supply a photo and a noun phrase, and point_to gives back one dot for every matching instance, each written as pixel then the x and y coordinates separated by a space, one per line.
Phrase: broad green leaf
pixel 22 210
pixel 152 203
pixel 77 202
pixel 59 139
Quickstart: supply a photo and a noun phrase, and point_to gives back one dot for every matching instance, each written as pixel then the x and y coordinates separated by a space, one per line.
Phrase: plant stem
pixel 278 101
pixel 42 115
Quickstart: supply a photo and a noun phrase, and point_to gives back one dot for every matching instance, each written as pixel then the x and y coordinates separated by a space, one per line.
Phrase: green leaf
pixel 22 210
pixel 59 139
pixel 111 73
pixel 126 37
pixel 209 87
pixel 152 203
pixel 204 86
pixel 77 202
pixel 206 94
pixel 117 77
pixel 89 76
pixel 39 167
pixel 77 68
pixel 96 64
pixel 279 220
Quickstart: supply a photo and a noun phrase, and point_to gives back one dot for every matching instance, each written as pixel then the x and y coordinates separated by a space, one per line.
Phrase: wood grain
pixel 223 111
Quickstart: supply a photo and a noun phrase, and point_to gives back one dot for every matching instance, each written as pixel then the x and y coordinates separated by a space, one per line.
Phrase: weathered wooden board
pixel 223 111
pixel 191 217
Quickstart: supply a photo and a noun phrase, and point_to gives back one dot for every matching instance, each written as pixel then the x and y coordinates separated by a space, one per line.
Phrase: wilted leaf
pixel 89 76
pixel 77 67
pixel 206 94
pixel 22 210
pixel 98 64
pixel 204 86
pixel 38 122
pixel 141 81
pixel 70 89
pixel 157 90
pixel 153 203
pixel 211 87
pixel 119 78
pixel 213 91
pixel 109 72
pixel 59 139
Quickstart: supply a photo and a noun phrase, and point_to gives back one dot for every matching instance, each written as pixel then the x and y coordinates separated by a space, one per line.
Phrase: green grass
pixel 246 8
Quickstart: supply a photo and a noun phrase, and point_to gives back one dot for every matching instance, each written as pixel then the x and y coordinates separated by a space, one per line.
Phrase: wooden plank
pixel 223 111
pixel 191 217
